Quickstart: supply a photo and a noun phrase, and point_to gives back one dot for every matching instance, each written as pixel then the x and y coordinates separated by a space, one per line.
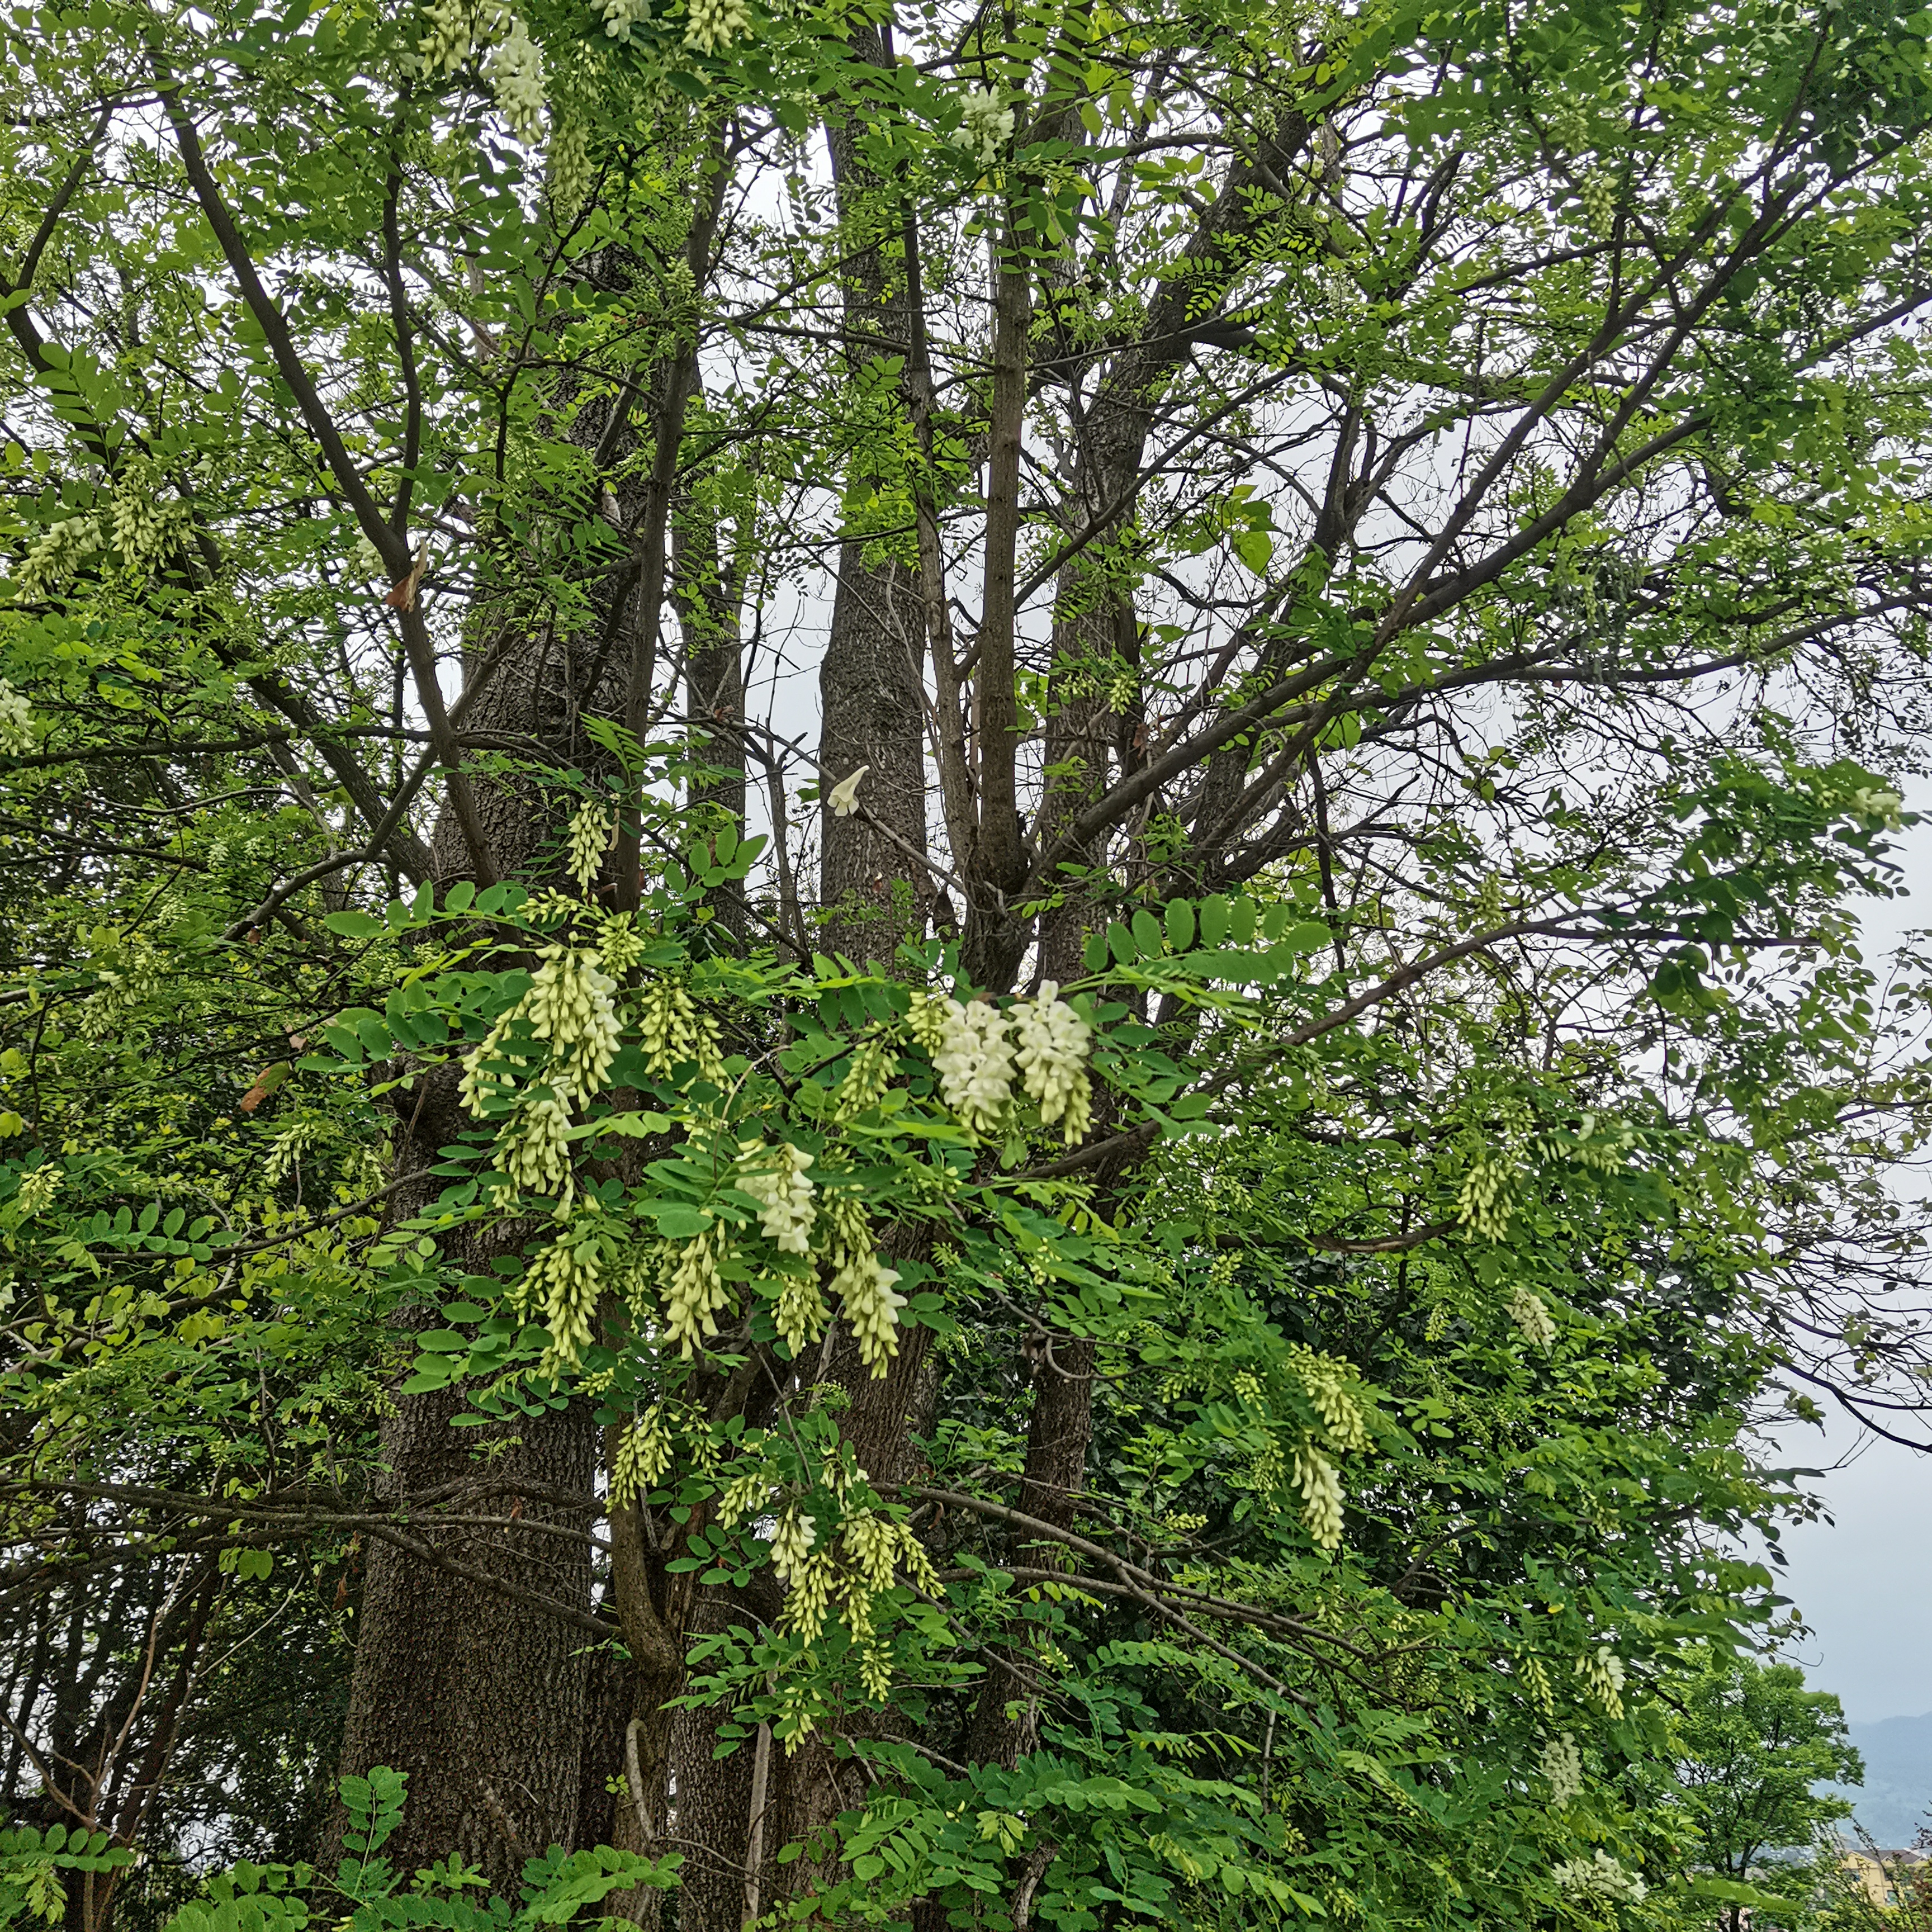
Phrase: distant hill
pixel 1897 1792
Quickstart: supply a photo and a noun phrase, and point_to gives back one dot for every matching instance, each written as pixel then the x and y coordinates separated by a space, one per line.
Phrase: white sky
pixel 1863 1582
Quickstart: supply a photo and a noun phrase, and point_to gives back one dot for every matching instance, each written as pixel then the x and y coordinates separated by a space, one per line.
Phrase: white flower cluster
pixel 866 1079
pixel 567 160
pixel 514 70
pixel 1602 1671
pixel 619 17
pixel 1561 1765
pixel 871 1551
pixel 1485 1201
pixel 54 556
pixel 534 1148
pixel 589 839
pixel 987 125
pixel 1323 1380
pixel 643 1455
pixel 1053 1041
pixel 1320 1485
pixel 673 1032
pixel 145 527
pixel 1880 807
pixel 37 1189
pixel 775 1178
pixel 975 1063
pixel 562 1284
pixel 569 1004
pixel 1600 1877
pixel 16 719
pixel 711 25
pixel 1531 1317
pixel 697 1290
pixel 127 973
pixel 454 29
pixel 792 1543
pixel 865 1285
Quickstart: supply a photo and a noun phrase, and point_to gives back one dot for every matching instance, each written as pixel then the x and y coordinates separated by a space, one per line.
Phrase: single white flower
pixel 843 797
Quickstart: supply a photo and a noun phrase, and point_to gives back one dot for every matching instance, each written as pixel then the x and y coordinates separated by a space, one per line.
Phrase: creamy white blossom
pixel 844 796
pixel 710 25
pixel 987 124
pixel 792 1542
pixel 1052 1041
pixel 1602 1671
pixel 54 556
pixel 619 17
pixel 1320 1483
pixel 591 828
pixel 1561 1765
pixel 975 1063
pixel 533 1146
pixel 697 1290
pixel 569 1004
pixel 514 70
pixel 1883 806
pixel 865 1286
pixel 1600 1877
pixel 775 1178
pixel 1531 1317
pixel 16 719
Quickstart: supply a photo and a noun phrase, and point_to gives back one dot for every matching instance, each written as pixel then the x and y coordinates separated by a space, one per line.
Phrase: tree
pixel 1755 1744
pixel 1439 496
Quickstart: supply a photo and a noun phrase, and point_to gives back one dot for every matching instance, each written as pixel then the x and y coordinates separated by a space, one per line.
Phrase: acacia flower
pixel 843 797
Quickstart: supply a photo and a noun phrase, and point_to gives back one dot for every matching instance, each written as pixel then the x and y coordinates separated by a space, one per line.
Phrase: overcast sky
pixel 1863 1582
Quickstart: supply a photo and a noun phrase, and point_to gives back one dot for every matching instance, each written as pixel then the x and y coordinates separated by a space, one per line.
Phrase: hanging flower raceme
pixel 1561 1765
pixel 863 1284
pixel 514 70
pixel 561 1286
pixel 987 125
pixel 16 719
pixel 975 1063
pixel 1321 1486
pixel 673 1032
pixel 1053 1041
pixel 792 1543
pixel 713 24
pixel 697 1290
pixel 643 1456
pixel 1602 1671
pixel 619 17
pixel 1531 1317
pixel 569 1004
pixel 533 1146
pixel 775 1178
pixel 453 29
pixel 54 556
pixel 590 838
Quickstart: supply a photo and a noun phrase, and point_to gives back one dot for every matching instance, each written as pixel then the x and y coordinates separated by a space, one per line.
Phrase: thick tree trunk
pixel 874 884
pixel 480 1699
